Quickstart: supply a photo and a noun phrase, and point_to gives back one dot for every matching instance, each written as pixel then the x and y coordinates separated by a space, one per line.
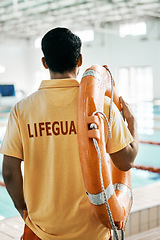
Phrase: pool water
pixel 142 178
pixel 148 119
pixel 7 208
pixel 148 155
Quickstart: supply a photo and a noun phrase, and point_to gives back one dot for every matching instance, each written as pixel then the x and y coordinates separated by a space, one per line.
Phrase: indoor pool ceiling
pixel 30 18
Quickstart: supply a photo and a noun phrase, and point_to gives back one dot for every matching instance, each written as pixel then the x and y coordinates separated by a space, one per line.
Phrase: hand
pixel 127 112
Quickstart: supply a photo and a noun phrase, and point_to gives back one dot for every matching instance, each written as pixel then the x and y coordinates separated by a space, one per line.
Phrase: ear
pixel 80 60
pixel 44 62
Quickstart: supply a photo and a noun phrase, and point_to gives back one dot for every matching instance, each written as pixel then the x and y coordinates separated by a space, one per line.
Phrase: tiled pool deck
pixel 11 228
pixel 145 213
pixel 143 224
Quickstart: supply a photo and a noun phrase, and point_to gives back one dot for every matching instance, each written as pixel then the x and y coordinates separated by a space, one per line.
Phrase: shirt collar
pixel 59 83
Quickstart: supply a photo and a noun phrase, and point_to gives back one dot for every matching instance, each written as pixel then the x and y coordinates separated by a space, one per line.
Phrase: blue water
pixel 7 208
pixel 148 155
pixel 148 119
pixel 142 178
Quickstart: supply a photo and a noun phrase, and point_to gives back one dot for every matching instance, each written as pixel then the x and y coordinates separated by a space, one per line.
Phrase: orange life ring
pixel 95 84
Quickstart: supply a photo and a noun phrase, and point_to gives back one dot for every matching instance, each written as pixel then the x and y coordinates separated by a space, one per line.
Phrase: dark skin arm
pixel 14 181
pixel 124 158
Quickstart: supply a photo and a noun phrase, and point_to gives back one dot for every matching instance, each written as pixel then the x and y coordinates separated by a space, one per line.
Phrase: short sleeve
pixel 12 141
pixel 121 136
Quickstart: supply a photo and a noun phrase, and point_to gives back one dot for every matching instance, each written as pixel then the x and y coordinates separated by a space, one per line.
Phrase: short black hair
pixel 61 49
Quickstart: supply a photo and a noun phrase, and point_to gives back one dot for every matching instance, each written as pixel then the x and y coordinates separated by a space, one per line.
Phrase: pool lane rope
pixel 2 184
pixel 150 142
pixel 145 168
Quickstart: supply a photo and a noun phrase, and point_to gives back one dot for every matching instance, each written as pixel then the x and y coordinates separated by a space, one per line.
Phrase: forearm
pixel 124 158
pixel 132 126
pixel 14 184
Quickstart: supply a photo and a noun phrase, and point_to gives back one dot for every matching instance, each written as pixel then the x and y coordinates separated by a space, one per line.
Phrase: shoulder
pixel 25 103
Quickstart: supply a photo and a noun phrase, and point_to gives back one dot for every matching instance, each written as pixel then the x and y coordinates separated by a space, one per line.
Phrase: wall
pixel 125 52
pixel 23 61
pixel 119 52
pixel 13 58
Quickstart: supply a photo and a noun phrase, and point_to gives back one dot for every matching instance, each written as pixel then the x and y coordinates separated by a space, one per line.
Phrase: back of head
pixel 61 49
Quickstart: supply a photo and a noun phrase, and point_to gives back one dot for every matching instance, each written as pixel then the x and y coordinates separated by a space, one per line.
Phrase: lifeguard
pixel 51 128
pixel 42 132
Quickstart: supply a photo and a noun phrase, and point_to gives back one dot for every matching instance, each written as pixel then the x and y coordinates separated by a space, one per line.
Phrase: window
pixel 133 29
pixel 86 35
pixel 136 83
pixel 37 42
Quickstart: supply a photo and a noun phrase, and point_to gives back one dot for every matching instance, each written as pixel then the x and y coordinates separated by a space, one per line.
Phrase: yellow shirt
pixel 42 130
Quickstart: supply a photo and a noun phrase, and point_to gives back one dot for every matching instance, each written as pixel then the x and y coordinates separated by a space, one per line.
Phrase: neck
pixel 63 75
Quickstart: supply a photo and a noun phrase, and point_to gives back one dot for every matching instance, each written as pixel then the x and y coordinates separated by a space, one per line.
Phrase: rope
pixel 111 103
pixel 108 123
pixel 2 184
pixel 103 190
pixel 150 169
pixel 128 212
pixel 150 142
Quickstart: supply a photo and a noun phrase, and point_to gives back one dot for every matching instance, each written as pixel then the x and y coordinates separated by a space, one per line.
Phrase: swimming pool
pixel 148 118
pixel 6 205
pixel 148 155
